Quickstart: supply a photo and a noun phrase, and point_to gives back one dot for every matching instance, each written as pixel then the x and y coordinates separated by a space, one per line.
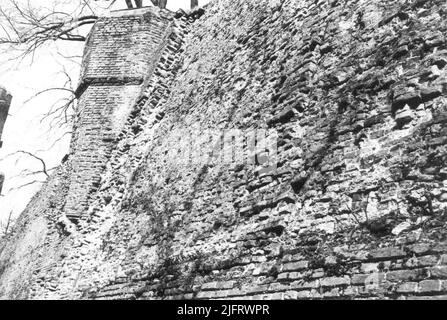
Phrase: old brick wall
pixel 119 56
pixel 356 208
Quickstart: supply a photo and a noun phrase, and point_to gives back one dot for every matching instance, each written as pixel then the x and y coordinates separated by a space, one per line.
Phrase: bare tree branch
pixel 47 90
pixel 25 185
pixel 33 27
pixel 44 165
pixel 5 227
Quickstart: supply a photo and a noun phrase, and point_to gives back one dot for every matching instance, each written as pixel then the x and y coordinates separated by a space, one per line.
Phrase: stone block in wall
pixel 429 286
pixel 439 272
pixel 5 102
pixel 404 275
pixel 335 281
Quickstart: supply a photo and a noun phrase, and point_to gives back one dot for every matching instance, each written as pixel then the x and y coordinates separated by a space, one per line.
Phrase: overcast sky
pixel 25 129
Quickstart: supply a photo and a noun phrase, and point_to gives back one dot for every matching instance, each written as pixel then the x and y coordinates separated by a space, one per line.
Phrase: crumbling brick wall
pixel 356 207
pixel 120 54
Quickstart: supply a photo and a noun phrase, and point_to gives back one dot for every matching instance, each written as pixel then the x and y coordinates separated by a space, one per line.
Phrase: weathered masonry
pixel 356 209
pixel 119 61
pixel 5 102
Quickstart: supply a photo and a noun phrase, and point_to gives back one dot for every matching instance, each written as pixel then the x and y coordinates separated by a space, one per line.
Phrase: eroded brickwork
pixel 120 55
pixel 357 207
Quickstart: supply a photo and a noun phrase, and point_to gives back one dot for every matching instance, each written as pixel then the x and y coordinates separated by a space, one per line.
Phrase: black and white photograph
pixel 223 154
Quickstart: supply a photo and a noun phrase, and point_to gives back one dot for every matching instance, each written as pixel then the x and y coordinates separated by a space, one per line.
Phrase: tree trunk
pixel 139 3
pixel 129 4
pixel 162 3
pixel 2 179
pixel 194 4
